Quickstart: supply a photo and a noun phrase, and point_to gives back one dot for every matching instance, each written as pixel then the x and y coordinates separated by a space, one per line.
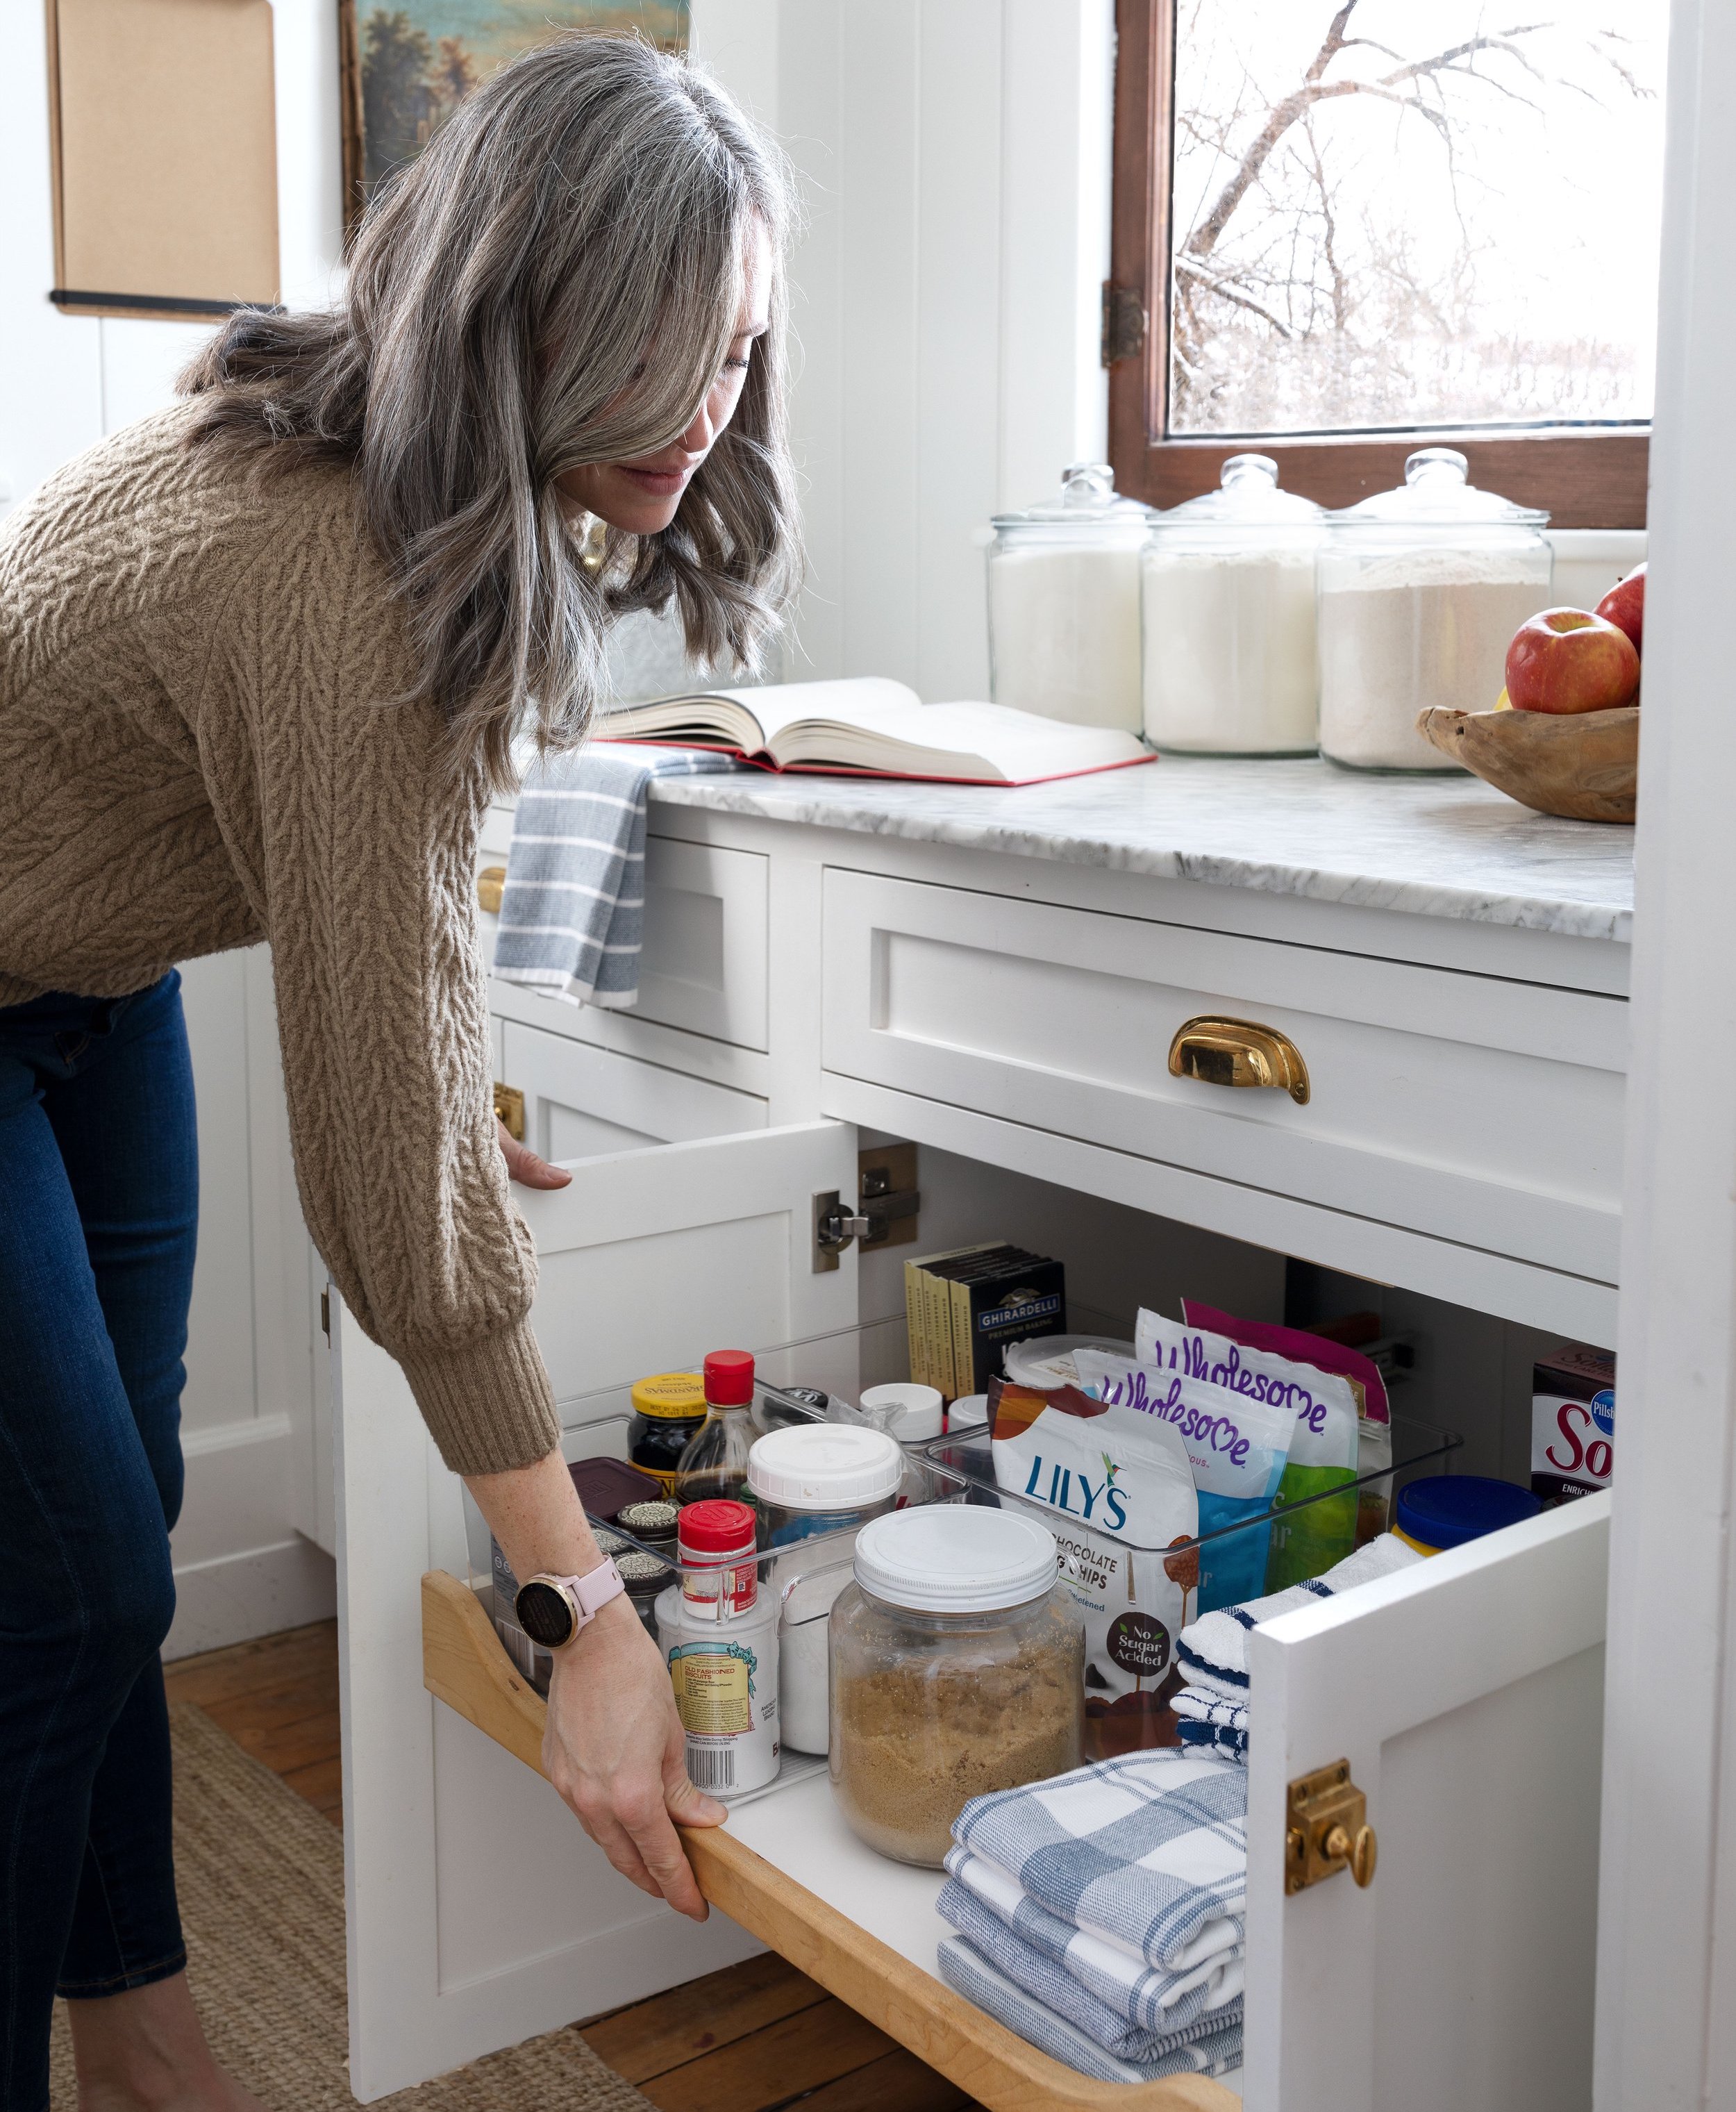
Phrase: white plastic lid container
pixel 953 1558
pixel 911 1412
pixel 821 1478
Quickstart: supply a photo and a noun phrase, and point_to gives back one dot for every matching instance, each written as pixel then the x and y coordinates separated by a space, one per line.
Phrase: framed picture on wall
pixel 407 65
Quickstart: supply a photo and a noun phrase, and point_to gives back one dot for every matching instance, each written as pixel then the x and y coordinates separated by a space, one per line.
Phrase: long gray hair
pixel 555 281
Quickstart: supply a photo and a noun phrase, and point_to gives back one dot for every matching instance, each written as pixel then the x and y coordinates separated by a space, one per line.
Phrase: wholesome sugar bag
pixel 1117 1490
pixel 1322 1445
pixel 1238 1448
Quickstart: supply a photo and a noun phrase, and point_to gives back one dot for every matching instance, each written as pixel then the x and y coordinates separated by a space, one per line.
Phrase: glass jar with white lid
pixel 1064 604
pixel 1228 587
pixel 1420 591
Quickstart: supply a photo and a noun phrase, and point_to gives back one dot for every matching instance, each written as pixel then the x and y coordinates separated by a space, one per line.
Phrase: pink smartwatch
pixel 551 1610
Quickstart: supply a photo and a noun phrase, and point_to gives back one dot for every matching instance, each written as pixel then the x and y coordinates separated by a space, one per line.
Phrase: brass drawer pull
pixel 490 885
pixel 1237 1051
pixel 509 1109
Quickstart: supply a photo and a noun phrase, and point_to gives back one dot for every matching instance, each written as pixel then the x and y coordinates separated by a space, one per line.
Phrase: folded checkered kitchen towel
pixel 573 911
pixel 963 1967
pixel 1213 1650
pixel 1053 1982
pixel 1139 1995
pixel 1146 1850
pixel 1211 1723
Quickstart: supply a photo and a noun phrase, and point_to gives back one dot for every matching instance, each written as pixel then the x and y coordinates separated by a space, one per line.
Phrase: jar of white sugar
pixel 1420 591
pixel 1064 604
pixel 1228 618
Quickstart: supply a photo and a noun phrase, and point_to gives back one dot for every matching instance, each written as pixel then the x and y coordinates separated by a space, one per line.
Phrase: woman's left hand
pixel 523 1165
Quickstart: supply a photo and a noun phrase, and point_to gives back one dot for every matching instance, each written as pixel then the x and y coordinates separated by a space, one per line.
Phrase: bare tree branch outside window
pixel 1402 213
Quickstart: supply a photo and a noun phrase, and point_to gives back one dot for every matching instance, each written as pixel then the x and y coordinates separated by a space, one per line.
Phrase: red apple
pixel 1569 660
pixel 1624 606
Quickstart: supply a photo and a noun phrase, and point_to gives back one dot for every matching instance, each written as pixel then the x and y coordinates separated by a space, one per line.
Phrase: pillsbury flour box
pixel 1573 1423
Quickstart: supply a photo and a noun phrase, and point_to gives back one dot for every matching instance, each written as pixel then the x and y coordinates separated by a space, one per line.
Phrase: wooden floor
pixel 754 2037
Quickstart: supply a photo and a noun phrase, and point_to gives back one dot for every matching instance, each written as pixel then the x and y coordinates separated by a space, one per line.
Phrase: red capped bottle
pixel 716 1461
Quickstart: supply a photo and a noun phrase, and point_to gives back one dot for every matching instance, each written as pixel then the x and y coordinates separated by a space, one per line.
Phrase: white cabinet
pixel 581 1101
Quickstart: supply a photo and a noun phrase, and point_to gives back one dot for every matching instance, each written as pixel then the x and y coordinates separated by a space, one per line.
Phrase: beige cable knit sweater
pixel 194 755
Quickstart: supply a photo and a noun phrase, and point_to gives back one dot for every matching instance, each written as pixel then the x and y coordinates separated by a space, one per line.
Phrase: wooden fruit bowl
pixel 1583 765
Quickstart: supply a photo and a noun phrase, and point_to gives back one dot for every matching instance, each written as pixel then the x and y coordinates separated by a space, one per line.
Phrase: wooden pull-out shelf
pixel 465 1666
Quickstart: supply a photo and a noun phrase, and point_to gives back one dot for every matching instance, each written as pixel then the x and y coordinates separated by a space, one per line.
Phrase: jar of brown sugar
pixel 957 1667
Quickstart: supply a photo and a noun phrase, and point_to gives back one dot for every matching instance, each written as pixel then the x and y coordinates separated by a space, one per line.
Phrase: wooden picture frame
pixel 1584 479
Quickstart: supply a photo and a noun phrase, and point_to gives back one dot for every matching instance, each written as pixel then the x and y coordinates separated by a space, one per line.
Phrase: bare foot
pixel 144 2051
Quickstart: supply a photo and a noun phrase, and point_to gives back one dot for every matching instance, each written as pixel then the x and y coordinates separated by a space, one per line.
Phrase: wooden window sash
pixel 1594 479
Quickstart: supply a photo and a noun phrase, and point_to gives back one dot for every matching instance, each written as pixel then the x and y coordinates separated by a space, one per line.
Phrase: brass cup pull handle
pixel 491 883
pixel 1238 1052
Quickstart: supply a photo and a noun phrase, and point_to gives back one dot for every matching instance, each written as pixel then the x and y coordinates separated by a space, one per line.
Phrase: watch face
pixel 544 1614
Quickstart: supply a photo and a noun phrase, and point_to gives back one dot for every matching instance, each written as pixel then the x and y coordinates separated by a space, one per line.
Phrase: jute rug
pixel 260 1875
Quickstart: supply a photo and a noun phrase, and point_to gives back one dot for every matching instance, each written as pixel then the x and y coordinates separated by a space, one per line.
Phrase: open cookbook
pixel 872 726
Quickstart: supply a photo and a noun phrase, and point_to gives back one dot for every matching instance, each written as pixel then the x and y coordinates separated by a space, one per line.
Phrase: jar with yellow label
pixel 668 1411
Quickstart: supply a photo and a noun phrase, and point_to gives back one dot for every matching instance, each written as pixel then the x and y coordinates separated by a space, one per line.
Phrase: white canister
pixel 912 1412
pixel 1064 604
pixel 725 1679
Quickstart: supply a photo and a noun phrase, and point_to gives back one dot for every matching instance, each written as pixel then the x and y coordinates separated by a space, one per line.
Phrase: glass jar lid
pixel 1435 495
pixel 1247 508
pixel 956 1558
pixel 1086 510
pixel 827 1467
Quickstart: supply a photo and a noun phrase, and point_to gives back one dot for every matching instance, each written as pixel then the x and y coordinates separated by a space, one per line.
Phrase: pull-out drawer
pixel 1472 1108
pixel 1466 1696
pixel 581 1101
pixel 703 967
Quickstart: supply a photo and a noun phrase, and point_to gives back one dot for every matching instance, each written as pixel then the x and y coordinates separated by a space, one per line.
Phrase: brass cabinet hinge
pixel 1124 322
pixel 509 1106
pixel 1326 1829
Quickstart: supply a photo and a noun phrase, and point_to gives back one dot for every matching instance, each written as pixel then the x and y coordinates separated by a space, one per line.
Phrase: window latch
pixel 1124 322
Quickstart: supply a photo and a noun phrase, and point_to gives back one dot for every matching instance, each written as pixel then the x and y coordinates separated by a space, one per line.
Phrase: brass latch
pixel 1238 1052
pixel 509 1107
pixel 1326 1829
pixel 491 883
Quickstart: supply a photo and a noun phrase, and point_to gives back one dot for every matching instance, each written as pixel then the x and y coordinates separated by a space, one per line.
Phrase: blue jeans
pixel 98 1213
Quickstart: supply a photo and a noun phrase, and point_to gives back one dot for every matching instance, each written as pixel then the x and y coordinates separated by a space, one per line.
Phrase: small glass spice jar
pixel 957 1667
pixel 668 1410
pixel 715 1548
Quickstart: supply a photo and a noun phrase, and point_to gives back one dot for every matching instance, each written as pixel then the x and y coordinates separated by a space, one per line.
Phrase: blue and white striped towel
pixel 572 913
pixel 1213 1650
pixel 963 1967
pixel 1054 1982
pixel 1147 1851
pixel 1137 1994
pixel 1212 1722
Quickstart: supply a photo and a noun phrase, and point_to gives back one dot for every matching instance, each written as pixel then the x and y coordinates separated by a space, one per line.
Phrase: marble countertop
pixel 1429 846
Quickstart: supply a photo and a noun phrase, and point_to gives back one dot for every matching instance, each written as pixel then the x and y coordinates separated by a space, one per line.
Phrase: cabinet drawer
pixel 581 1102
pixel 1465 1107
pixel 702 966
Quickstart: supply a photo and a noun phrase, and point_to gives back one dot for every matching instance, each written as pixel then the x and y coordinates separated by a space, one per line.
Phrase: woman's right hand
pixel 614 1750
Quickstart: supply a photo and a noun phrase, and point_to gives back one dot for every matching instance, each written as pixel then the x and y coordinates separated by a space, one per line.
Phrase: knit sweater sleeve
pixel 362 853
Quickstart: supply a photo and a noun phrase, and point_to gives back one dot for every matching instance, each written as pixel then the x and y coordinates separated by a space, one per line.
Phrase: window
pixel 1345 227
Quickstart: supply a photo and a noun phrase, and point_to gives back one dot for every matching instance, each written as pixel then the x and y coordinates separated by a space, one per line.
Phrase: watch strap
pixel 587 1594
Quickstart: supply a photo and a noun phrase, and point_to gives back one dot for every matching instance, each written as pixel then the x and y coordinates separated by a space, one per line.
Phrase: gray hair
pixel 555 281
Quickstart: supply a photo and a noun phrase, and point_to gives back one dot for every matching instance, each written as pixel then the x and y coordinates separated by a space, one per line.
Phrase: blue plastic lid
pixel 1446 1510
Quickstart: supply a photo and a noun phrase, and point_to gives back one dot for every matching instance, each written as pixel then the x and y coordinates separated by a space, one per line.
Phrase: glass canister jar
pixel 1064 604
pixel 957 1667
pixel 1420 591
pixel 1227 588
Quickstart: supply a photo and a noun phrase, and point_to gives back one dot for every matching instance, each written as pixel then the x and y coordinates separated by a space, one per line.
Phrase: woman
pixel 262 659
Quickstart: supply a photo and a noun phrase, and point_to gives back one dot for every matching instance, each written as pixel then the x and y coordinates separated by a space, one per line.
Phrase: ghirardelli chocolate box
pixel 1573 1423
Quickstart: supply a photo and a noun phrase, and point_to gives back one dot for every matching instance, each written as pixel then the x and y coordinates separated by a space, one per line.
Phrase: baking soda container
pixel 725 1677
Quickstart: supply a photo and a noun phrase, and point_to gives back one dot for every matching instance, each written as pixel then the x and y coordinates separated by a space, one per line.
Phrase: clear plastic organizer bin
pixel 804 1576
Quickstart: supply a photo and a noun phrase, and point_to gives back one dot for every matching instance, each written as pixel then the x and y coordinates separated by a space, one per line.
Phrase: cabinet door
pixel 478 1913
pixel 1467 1694
pixel 580 1102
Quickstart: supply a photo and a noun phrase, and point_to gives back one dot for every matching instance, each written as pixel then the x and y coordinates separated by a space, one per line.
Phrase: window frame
pixel 1583 478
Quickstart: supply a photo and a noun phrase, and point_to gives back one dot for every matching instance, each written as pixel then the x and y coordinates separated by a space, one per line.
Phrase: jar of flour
pixel 1230 665
pixel 1064 604
pixel 1420 591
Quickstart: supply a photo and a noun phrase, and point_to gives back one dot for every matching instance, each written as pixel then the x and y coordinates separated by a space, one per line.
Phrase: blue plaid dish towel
pixel 964 1968
pixel 572 914
pixel 1148 1851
